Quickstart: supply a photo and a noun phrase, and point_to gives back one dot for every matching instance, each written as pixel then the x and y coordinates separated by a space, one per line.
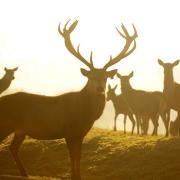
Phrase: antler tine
pixel 120 33
pixel 90 65
pixel 65 26
pixel 91 58
pixel 125 51
pixel 110 57
pixel 130 51
pixel 135 32
pixel 66 35
pixel 64 29
pixel 59 29
pixel 125 31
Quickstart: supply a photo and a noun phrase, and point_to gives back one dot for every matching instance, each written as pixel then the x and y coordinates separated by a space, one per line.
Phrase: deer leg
pixel 155 123
pixel 78 157
pixel 145 122
pixel 115 118
pixel 125 118
pixel 72 157
pixel 147 125
pixel 74 147
pixel 165 121
pixel 138 121
pixel 178 123
pixel 133 122
pixel 142 125
pixel 14 147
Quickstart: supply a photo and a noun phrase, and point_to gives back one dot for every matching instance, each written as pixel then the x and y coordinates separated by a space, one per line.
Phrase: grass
pixel 106 155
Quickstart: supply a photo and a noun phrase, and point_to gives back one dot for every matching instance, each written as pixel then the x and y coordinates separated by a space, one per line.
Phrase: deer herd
pixel 72 115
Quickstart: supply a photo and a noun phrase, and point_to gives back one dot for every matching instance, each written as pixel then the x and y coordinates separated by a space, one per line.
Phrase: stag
pixel 7 79
pixel 171 89
pixel 70 115
pixel 121 107
pixel 144 104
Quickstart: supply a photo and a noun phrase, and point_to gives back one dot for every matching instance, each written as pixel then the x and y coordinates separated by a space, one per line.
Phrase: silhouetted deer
pixel 69 116
pixel 144 104
pixel 121 107
pixel 7 78
pixel 171 89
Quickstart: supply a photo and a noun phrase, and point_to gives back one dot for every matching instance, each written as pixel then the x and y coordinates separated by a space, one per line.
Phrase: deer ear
pixel 5 69
pixel 109 87
pixel 176 63
pixel 85 72
pixel 112 73
pixel 131 74
pixel 115 87
pixel 119 75
pixel 160 62
pixel 15 69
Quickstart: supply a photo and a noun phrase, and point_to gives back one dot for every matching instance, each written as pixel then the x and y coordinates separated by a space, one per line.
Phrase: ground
pixel 106 155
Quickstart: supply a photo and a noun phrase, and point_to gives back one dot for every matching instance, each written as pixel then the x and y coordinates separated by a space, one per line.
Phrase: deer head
pixel 169 84
pixel 97 77
pixel 9 73
pixel 111 92
pixel 125 79
pixel 168 67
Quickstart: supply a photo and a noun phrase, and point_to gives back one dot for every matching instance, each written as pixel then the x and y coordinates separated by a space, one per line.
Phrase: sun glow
pixel 29 39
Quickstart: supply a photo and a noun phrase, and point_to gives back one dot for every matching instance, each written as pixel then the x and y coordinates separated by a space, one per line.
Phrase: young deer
pixel 69 116
pixel 144 104
pixel 121 107
pixel 7 79
pixel 171 89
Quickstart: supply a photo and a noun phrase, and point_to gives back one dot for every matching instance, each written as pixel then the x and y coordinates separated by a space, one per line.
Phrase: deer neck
pixel 117 104
pixel 168 90
pixel 114 99
pixel 125 88
pixel 94 100
pixel 5 83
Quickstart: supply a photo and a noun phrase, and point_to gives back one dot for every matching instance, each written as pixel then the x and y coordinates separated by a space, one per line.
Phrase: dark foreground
pixel 106 155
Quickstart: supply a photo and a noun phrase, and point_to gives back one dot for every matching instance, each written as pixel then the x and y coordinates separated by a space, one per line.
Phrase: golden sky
pixel 29 39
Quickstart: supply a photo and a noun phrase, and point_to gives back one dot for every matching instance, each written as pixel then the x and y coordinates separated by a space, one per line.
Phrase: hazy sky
pixel 29 39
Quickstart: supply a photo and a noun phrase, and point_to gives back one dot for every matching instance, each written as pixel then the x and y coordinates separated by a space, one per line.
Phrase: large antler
pixel 129 39
pixel 66 35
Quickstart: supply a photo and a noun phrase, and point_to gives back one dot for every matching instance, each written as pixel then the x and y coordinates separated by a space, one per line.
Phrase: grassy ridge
pixel 106 155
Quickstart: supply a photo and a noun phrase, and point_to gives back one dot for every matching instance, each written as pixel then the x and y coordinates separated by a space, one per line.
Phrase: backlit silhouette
pixel 171 89
pixel 120 107
pixel 144 104
pixel 68 116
